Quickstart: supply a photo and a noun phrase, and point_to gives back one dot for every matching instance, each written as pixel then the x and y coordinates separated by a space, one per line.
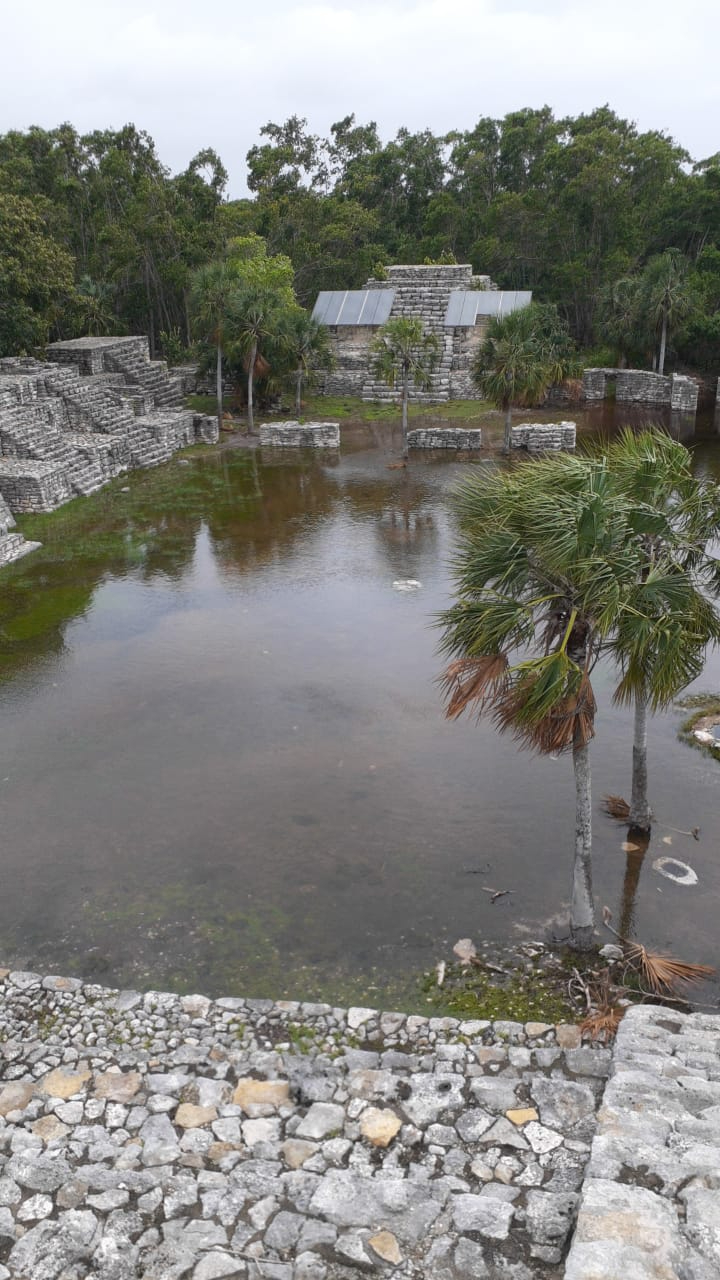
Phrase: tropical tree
pixel 212 293
pixel 553 571
pixel 662 635
pixel 257 317
pixel 94 305
pixel 666 295
pixel 523 354
pixel 308 346
pixel 403 351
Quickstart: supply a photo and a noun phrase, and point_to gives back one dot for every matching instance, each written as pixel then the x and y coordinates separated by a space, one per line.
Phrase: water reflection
pixel 224 762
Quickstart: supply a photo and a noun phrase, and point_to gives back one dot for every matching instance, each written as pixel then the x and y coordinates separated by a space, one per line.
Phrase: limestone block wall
pixel 441 438
pixel 641 386
pixel 293 435
pixel 101 407
pixel 351 350
pixel 683 394
pixel 541 437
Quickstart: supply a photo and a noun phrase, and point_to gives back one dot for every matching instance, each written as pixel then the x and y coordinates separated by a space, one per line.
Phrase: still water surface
pixel 223 759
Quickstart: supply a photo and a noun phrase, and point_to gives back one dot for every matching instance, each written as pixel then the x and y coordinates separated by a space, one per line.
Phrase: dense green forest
pixel 620 229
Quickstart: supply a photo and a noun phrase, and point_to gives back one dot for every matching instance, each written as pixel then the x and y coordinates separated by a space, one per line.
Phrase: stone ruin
pixel 640 386
pixel 453 303
pixel 444 438
pixel 98 408
pixel 294 435
pixel 543 437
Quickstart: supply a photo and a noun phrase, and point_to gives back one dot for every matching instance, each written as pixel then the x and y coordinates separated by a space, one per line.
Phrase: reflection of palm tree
pixel 633 867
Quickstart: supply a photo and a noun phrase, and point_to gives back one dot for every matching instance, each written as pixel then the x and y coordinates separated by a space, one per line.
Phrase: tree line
pixel 96 235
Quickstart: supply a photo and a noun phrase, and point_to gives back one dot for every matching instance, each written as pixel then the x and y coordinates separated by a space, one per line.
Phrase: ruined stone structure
pixel 541 437
pixel 99 408
pixel 293 435
pixel 12 543
pixel 444 438
pixel 640 386
pixel 453 304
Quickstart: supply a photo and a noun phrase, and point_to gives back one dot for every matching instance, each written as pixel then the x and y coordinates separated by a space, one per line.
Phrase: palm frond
pixel 617 808
pixel 602 1024
pixel 662 973
pixel 472 680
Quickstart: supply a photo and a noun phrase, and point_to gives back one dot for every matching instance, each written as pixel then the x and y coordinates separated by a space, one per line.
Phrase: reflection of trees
pixel 633 868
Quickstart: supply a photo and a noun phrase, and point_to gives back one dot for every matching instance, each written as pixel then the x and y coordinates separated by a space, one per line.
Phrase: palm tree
pixel 673 516
pixel 307 343
pixel 212 291
pixel 403 351
pixel 553 571
pixel 256 317
pixel 666 294
pixel 95 306
pixel 523 354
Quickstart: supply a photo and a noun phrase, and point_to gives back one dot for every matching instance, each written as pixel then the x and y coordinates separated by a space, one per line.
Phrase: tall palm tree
pixel 212 290
pixel 666 294
pixel 522 355
pixel 257 317
pixel 403 351
pixel 307 343
pixel 552 572
pixel 673 516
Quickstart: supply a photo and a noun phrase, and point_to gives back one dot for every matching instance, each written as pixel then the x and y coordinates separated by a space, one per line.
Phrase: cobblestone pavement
pixel 165 1137
pixel 651 1203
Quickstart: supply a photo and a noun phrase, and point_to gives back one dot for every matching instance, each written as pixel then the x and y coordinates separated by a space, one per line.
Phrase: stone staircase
pixel 101 408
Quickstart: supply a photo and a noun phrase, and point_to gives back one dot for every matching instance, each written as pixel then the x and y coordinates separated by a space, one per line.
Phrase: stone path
pixel 165 1137
pixel 651 1202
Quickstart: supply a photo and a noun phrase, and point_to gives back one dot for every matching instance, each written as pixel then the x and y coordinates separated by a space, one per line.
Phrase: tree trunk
pixel 663 341
pixel 218 386
pixel 251 371
pixel 508 426
pixel 298 393
pixel 405 450
pixel 640 814
pixel 582 913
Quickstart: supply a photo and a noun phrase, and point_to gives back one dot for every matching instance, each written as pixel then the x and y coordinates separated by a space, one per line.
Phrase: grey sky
pixel 212 75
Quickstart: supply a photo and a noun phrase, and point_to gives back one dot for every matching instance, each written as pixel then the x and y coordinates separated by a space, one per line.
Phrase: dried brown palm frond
pixel 570 723
pixel 617 808
pixel 472 680
pixel 662 973
pixel 602 1024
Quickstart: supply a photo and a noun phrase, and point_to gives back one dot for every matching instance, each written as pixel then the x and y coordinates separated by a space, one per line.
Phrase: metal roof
pixel 353 306
pixel 466 305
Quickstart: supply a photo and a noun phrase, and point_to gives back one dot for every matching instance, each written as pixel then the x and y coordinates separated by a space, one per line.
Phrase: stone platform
pixel 161 1136
pixel 296 435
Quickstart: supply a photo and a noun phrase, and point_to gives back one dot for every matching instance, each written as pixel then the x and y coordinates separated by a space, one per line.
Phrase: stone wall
pixel 308 435
pixel 641 386
pixel 441 438
pixel 12 544
pixel 537 437
pixel 101 407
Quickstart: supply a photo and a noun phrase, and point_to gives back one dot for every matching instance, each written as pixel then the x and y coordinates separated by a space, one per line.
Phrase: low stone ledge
pixel 296 435
pixel 444 438
pixel 541 437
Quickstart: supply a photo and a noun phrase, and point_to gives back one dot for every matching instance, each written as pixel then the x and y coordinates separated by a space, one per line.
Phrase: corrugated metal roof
pixel 353 306
pixel 465 305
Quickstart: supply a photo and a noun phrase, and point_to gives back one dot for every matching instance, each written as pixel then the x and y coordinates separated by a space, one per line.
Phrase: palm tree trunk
pixel 218 386
pixel 251 370
pixel 582 912
pixel 508 427
pixel 298 392
pixel 405 450
pixel 663 341
pixel 640 814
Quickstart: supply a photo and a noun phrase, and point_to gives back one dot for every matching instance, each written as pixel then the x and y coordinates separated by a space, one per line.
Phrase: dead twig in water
pixel 496 893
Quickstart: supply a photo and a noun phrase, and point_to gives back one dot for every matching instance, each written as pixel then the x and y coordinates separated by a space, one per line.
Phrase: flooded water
pixel 223 759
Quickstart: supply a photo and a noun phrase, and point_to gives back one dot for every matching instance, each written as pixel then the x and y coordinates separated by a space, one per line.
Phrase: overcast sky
pixel 196 75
